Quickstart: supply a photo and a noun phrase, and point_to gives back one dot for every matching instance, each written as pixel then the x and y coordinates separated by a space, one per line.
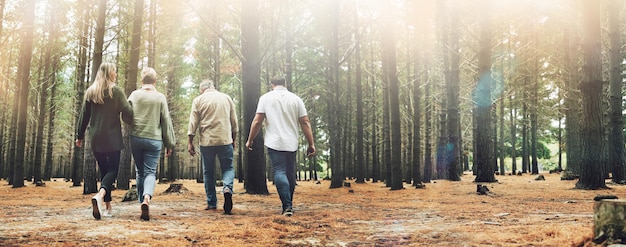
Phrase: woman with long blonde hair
pixel 104 101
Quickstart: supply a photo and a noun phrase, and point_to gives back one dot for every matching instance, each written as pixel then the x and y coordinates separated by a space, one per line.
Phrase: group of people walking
pixel 213 117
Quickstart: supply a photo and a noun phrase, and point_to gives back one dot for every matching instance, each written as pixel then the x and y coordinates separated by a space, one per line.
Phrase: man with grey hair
pixel 214 117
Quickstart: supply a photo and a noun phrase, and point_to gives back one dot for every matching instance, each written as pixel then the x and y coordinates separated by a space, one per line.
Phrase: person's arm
pixel 305 125
pixel 257 123
pixel 167 128
pixel 233 123
pixel 191 131
pixel 83 121
pixel 190 148
pixel 126 107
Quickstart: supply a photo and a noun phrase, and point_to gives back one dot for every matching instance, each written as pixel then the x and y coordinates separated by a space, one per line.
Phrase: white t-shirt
pixel 282 110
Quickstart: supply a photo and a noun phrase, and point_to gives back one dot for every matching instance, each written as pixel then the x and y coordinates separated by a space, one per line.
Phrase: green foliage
pixel 543 152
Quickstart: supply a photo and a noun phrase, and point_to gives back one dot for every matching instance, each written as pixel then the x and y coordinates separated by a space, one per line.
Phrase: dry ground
pixel 519 211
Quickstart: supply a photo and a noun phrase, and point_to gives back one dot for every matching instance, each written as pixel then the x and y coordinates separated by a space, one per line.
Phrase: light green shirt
pixel 151 116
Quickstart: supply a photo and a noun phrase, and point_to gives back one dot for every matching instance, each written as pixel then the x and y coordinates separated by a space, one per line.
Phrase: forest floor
pixel 517 211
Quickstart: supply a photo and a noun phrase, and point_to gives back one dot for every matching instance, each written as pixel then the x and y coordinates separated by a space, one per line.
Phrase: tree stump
pixel 131 194
pixel 609 221
pixel 176 188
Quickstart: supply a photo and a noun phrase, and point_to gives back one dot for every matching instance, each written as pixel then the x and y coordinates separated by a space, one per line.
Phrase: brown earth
pixel 517 211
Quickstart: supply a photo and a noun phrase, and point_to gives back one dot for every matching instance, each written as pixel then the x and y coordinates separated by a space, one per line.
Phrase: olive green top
pixel 105 130
pixel 151 116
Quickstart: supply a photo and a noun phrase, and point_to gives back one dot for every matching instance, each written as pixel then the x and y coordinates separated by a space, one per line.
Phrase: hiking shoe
pixel 145 212
pixel 288 212
pixel 96 203
pixel 228 202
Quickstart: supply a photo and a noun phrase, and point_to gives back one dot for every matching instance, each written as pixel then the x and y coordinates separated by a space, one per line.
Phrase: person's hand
pixel 310 151
pixel 79 143
pixel 168 152
pixel 191 149
pixel 234 145
pixel 249 145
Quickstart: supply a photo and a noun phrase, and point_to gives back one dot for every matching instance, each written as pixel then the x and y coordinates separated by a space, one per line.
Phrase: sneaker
pixel 288 212
pixel 107 213
pixel 145 212
pixel 210 208
pixel 96 203
pixel 228 202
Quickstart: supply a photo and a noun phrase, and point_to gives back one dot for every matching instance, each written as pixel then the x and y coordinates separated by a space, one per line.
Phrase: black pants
pixel 108 163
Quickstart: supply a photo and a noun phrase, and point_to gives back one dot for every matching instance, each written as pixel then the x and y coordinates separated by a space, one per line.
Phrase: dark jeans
pixel 225 155
pixel 284 164
pixel 108 163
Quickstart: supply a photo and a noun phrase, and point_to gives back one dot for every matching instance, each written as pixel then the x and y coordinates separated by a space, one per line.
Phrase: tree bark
pixel 336 155
pixel 23 73
pixel 592 172
pixel 484 142
pixel 616 137
pixel 81 70
pixel 124 173
pixel 389 52
pixel 360 166
pixel 89 171
pixel 573 118
pixel 454 120
pixel 255 180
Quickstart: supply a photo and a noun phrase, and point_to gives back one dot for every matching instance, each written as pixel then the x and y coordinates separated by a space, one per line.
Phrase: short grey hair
pixel 206 84
pixel 148 75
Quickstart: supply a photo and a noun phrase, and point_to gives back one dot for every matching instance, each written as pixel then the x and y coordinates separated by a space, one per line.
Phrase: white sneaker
pixel 96 203
pixel 107 213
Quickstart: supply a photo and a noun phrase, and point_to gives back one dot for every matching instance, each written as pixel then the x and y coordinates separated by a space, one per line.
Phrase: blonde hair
pixel 148 75
pixel 104 82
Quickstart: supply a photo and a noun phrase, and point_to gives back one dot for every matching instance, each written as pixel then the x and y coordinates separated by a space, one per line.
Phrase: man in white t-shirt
pixel 282 112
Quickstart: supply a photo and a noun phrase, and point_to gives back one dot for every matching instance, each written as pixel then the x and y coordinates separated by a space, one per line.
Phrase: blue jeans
pixel 284 164
pixel 109 164
pixel 225 155
pixel 146 153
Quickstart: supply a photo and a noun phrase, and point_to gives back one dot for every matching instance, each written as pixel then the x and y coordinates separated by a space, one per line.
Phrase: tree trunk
pixel 152 34
pixel 5 86
pixel 428 131
pixel 51 127
pixel 534 102
pixel 454 120
pixel 336 155
pixel 43 97
pixel 592 172
pixel 389 54
pixel 483 161
pixel 23 73
pixel 374 136
pixel 573 118
pixel 386 131
pixel 124 173
pixel 90 175
pixel 616 137
pixel 255 180
pixel 512 117
pixel 525 159
pixel 81 69
pixel 360 166
pixel 170 92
